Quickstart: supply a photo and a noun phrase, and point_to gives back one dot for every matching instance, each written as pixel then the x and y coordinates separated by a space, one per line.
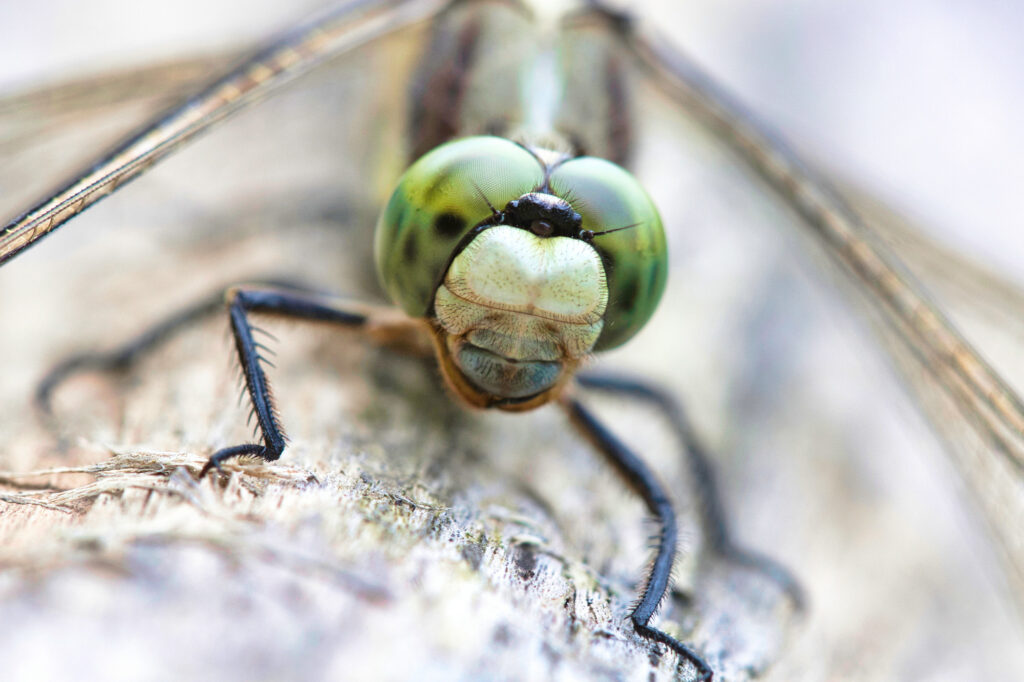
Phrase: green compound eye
pixel 439 199
pixel 633 249
pixel 453 188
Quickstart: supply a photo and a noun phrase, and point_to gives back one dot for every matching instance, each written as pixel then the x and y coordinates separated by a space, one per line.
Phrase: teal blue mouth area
pixel 506 378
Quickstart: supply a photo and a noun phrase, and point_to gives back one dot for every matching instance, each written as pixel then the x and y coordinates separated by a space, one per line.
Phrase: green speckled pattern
pixel 438 200
pixel 635 259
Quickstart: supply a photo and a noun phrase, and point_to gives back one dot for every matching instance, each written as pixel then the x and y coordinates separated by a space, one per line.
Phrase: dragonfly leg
pixel 285 299
pixel 123 357
pixel 647 486
pixel 712 511
pixel 303 305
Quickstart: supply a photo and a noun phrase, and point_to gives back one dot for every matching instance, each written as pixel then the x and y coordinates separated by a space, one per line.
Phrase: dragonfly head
pixel 524 263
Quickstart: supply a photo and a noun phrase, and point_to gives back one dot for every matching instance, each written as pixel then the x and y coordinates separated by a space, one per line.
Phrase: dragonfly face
pixel 524 260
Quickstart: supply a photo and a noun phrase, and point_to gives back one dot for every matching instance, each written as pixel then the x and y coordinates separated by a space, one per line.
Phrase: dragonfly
pixel 919 331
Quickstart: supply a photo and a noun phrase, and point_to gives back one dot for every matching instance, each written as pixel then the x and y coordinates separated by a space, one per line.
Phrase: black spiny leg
pixel 125 356
pixel 272 297
pixel 713 519
pixel 297 304
pixel 646 485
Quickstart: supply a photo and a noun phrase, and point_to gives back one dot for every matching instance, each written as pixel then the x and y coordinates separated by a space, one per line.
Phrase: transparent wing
pixel 34 115
pixel 981 436
pixel 53 131
pixel 295 53
pixel 970 403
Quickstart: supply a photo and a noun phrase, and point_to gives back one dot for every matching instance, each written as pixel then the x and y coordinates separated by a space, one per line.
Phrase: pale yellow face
pixel 517 310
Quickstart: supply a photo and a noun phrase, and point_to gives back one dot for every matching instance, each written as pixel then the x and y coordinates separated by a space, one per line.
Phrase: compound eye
pixel 621 222
pixel 438 201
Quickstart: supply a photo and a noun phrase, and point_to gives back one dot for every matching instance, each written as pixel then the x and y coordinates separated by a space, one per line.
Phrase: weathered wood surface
pixel 405 542
pixel 402 537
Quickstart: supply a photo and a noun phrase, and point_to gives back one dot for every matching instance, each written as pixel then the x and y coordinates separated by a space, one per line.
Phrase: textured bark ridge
pixel 399 538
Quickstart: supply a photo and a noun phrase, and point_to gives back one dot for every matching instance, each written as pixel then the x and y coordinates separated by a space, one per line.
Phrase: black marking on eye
pixel 449 225
pixel 630 288
pixel 409 250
